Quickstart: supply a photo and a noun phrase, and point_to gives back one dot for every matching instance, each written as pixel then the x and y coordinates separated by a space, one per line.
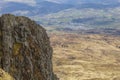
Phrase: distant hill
pixel 42 8
pixel 46 7
pixel 85 1
pixel 84 18
pixel 71 14
pixel 17 8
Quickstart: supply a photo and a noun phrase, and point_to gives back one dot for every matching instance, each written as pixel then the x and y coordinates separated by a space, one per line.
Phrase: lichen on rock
pixel 16 48
pixel 25 51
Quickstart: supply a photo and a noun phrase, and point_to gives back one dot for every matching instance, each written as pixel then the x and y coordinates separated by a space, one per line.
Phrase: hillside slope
pixel 5 76
pixel 86 57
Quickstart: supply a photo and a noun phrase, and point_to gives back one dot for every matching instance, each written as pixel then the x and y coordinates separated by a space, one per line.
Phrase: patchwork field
pixel 86 56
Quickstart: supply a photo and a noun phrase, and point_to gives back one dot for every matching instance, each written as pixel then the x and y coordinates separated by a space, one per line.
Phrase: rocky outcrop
pixel 25 51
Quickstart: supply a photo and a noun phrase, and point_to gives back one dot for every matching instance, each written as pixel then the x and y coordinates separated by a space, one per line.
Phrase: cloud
pixel 57 1
pixel 29 2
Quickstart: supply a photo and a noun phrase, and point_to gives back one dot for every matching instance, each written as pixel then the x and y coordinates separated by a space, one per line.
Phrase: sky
pixel 29 2
pixel 34 2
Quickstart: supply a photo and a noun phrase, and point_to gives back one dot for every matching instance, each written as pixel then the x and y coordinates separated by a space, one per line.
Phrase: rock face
pixel 25 51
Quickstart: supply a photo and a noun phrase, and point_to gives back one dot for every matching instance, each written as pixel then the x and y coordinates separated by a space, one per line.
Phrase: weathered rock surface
pixel 25 51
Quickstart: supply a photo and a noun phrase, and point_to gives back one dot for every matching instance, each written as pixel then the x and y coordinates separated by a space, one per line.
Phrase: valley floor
pixel 86 56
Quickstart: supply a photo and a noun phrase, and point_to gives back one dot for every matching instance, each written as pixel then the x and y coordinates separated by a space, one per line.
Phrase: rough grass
pixel 5 76
pixel 86 57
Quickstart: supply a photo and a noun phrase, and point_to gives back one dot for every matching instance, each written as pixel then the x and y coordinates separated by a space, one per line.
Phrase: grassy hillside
pixel 5 76
pixel 86 57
